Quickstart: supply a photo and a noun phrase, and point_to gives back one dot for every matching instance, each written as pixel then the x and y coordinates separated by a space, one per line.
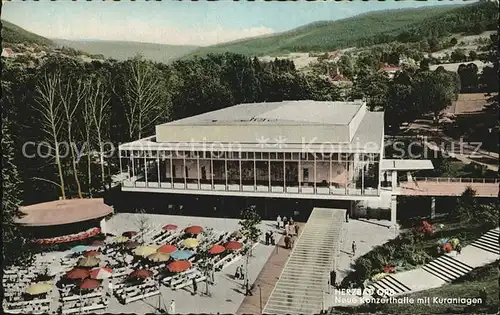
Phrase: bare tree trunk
pixel 50 110
pixel 70 108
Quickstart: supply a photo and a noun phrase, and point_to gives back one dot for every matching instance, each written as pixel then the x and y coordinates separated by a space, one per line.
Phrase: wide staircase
pixel 447 268
pixel 302 286
pixel 489 242
pixel 389 284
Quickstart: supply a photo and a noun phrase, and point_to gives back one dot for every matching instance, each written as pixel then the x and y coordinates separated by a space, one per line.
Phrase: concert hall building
pixel 290 149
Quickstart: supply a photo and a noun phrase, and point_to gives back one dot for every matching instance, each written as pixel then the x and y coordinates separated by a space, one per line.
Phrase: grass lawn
pixel 468 286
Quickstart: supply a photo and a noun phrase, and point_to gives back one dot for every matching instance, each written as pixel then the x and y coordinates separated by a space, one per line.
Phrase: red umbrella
pixel 195 229
pixel 232 245
pixel 77 273
pixel 141 273
pixel 91 253
pixel 179 265
pixel 170 227
pixel 132 244
pixel 89 284
pixel 216 249
pixel 129 234
pixel 167 249
pixel 101 273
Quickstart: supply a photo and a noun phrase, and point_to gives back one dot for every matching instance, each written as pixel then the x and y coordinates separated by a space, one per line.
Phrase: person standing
pixel 267 238
pixel 242 275
pixel 278 221
pixel 458 249
pixel 285 221
pixel 195 286
pixel 347 216
pixel 296 229
pixel 171 307
pixel 353 248
pixel 333 278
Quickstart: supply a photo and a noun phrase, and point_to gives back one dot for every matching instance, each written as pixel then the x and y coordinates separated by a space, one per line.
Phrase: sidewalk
pixel 267 279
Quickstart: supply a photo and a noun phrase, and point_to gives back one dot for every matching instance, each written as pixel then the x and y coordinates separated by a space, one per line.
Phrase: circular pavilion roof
pixel 60 212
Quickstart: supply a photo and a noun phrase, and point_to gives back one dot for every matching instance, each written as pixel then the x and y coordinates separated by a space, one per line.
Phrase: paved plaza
pixel 226 295
pixel 367 235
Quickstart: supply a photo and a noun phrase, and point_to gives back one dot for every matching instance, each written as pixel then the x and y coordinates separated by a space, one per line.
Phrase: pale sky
pixel 181 23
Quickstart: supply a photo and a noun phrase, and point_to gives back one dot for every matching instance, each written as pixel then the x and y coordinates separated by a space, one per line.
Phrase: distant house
pixel 390 70
pixel 340 80
pixel 7 53
pixel 334 56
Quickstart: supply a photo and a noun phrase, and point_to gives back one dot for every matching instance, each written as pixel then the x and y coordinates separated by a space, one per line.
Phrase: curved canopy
pixel 61 212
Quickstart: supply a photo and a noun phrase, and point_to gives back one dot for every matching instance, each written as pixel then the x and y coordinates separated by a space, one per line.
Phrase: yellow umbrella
pixel 144 251
pixel 121 239
pixel 191 242
pixel 88 261
pixel 39 288
pixel 158 257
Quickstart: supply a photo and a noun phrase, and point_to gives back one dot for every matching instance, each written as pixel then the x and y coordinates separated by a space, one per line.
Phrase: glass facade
pixel 276 172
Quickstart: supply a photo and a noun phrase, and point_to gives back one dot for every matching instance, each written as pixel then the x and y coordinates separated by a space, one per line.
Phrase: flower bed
pixel 69 238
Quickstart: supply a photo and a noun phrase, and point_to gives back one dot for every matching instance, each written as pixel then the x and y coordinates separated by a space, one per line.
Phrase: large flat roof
pixel 368 137
pixel 295 121
pixel 272 113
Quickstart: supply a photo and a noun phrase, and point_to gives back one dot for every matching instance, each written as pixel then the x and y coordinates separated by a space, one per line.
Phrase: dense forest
pixel 404 25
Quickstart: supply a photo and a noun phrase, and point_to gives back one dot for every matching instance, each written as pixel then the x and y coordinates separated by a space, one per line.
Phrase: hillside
pixel 369 29
pixel 122 50
pixel 13 34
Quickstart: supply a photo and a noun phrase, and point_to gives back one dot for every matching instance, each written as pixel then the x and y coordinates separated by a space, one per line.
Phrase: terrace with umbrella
pixel 172 258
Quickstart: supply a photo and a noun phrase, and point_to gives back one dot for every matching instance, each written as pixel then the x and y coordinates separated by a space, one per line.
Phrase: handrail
pixel 457 180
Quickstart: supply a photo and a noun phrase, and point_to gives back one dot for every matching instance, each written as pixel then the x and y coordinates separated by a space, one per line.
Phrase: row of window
pixel 291 156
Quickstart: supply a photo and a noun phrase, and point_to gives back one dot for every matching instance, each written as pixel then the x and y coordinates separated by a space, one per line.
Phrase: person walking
pixel 347 216
pixel 292 242
pixel 285 221
pixel 248 291
pixel 296 229
pixel 237 274
pixel 278 222
pixel 458 249
pixel 267 238
pixel 171 307
pixel 353 248
pixel 195 287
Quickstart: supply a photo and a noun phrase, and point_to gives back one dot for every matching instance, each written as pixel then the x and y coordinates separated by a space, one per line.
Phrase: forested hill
pixel 405 25
pixel 13 34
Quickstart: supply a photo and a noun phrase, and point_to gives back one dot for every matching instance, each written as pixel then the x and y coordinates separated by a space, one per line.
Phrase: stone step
pixel 396 285
pixel 457 263
pixel 489 239
pixel 486 247
pixel 437 273
pixel 449 268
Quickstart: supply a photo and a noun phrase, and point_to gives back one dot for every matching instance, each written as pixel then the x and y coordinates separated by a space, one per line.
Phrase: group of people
pixel 291 230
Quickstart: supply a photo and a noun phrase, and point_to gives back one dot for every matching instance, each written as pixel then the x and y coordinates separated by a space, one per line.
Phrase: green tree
pixel 249 225
pixel 435 91
pixel 458 55
pixel 16 248
pixel 472 55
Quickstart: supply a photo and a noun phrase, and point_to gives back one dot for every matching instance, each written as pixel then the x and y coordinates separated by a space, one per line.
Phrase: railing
pixel 457 180
pixel 134 183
